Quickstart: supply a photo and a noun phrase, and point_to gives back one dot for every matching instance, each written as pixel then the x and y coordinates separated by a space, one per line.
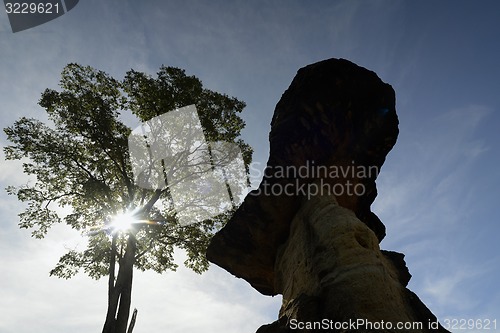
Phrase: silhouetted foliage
pixel 80 160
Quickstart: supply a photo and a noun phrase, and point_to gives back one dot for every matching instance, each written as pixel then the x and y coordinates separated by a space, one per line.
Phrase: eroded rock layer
pixel 308 232
pixel 331 267
pixel 334 121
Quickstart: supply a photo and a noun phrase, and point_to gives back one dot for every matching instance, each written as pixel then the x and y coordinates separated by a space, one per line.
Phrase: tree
pixel 81 161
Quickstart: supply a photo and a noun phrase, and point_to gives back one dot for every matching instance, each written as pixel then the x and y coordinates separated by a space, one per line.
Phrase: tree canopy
pixel 80 160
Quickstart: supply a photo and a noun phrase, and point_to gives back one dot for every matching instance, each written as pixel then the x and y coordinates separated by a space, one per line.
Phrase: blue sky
pixel 438 189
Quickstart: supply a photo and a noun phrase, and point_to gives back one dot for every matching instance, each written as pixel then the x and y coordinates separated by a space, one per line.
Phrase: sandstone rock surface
pixel 308 232
pixel 331 267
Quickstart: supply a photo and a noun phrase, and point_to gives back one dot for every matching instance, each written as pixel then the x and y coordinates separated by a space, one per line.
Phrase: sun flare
pixel 122 222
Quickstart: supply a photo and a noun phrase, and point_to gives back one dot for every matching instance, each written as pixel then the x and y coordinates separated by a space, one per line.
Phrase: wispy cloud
pixel 448 291
pixel 427 168
pixel 426 197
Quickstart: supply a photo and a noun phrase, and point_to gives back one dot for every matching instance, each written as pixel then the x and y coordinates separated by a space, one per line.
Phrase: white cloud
pixel 12 171
pixel 427 199
pixel 181 301
pixel 442 150
pixel 214 301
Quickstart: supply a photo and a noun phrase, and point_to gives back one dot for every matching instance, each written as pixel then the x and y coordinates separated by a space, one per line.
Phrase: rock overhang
pixel 335 114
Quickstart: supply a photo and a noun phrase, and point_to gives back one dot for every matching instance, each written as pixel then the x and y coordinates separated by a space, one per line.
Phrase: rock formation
pixel 308 232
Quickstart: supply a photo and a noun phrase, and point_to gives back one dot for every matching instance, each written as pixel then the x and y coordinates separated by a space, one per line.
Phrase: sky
pixel 438 189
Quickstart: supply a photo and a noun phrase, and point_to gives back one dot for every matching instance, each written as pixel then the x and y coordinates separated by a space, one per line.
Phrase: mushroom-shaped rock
pixel 331 131
pixel 308 232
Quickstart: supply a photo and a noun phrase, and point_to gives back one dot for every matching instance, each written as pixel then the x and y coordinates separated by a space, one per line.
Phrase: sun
pixel 122 222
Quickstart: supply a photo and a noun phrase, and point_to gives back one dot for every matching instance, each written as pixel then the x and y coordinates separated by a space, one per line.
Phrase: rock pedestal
pixel 308 231
pixel 331 267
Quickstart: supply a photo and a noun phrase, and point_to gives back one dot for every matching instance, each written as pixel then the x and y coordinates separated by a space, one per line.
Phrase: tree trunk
pixel 120 292
pixel 132 322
